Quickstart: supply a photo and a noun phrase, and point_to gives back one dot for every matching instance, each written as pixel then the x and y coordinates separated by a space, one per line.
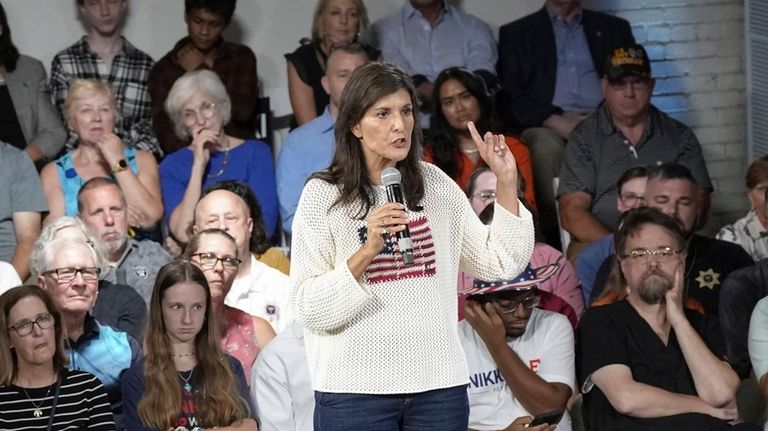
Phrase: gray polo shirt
pixel 598 154
pixel 138 266
pixel 20 191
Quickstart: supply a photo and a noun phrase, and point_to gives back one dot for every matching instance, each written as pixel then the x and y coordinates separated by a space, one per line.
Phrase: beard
pixel 653 286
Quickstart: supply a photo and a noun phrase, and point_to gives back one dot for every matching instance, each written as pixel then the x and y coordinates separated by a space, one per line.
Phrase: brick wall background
pixel 697 53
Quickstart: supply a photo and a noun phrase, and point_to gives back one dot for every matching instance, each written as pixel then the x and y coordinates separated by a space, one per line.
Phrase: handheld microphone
pixel 390 177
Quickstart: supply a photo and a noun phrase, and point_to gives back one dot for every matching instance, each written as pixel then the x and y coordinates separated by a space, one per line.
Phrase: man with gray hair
pixel 101 206
pixel 68 269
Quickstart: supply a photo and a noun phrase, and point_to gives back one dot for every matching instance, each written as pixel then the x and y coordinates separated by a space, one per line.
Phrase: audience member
pixel 185 381
pixel 101 206
pixel 460 96
pixel 672 189
pixel 259 289
pixel 8 277
pixel 751 231
pixel 204 48
pixel 280 385
pixel 520 358
pixel 646 362
pixel 241 335
pixel 32 360
pixel 758 343
pixel 564 285
pixel 104 54
pixel 257 241
pixel 550 65
pixel 116 305
pixel 309 148
pixel 200 108
pixel 29 121
pixel 626 131
pixel 335 23
pixel 741 291
pixel 69 272
pixel 22 203
pixel 631 191
pixel 425 37
pixel 90 110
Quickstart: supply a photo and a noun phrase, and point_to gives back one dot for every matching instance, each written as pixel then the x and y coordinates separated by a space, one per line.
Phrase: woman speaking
pixel 381 335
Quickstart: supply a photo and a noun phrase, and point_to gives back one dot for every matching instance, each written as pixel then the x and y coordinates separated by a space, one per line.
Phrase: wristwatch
pixel 120 166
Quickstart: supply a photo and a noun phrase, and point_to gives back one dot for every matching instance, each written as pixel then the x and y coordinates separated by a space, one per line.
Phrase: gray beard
pixel 653 287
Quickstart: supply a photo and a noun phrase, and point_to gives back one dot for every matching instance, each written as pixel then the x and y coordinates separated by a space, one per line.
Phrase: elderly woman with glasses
pixel 36 390
pixel 242 335
pixel 68 270
pixel 199 106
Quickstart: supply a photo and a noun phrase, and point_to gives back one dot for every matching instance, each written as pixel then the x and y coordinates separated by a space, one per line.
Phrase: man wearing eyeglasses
pixel 520 358
pixel 625 131
pixel 69 270
pixel 646 362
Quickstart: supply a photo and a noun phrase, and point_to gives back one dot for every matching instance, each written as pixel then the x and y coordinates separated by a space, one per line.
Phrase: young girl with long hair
pixel 185 381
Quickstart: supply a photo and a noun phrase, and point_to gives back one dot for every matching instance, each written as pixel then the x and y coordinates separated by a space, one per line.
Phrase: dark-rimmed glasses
pixel 209 261
pixel 25 327
pixel 67 274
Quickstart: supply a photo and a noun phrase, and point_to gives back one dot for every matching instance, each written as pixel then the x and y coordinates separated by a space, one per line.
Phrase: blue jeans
pixel 440 409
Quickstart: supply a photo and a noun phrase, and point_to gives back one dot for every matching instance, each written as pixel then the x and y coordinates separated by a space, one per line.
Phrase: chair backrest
pixel 263 128
pixel 565 237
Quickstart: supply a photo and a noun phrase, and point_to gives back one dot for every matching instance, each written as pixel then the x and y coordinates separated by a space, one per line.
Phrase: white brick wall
pixel 697 49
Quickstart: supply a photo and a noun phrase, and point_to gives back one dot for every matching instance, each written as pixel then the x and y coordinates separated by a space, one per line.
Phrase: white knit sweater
pixel 394 330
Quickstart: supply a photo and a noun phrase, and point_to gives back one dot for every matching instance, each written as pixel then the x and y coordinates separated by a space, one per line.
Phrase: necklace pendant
pixel 187 387
pixel 37 413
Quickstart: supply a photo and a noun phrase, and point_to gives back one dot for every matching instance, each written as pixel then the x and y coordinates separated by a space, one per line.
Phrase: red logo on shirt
pixel 534 365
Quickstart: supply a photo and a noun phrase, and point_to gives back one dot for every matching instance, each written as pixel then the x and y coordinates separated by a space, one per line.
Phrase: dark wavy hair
pixel 9 54
pixel 222 8
pixel 444 141
pixel 368 85
pixel 259 242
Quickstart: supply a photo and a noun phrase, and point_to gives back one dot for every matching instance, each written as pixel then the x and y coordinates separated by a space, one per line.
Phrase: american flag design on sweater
pixel 388 264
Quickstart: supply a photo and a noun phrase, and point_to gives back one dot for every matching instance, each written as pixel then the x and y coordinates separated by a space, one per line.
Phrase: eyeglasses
pixel 65 275
pixel 637 85
pixel 25 327
pixel 663 254
pixel 485 195
pixel 510 306
pixel 207 110
pixel 209 261
pixel 631 199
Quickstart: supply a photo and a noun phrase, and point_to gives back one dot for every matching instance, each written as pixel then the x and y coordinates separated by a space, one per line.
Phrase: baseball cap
pixel 526 280
pixel 628 60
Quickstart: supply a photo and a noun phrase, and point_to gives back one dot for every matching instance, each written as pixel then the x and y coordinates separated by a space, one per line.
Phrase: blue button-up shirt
pixel 407 39
pixel 305 150
pixel 577 86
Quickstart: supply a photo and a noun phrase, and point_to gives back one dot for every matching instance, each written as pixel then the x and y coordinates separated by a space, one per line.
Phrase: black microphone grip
pixel 404 242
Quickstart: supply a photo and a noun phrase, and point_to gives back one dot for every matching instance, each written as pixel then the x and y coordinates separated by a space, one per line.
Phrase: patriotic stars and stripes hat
pixel 526 280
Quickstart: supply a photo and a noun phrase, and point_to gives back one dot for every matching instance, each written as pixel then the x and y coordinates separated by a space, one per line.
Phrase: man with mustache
pixel 647 363
pixel 101 206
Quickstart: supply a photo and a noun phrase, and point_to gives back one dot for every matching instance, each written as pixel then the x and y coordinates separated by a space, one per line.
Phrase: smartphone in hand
pixel 549 418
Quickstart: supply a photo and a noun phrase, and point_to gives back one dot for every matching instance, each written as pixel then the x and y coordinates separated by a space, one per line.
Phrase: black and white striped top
pixel 83 405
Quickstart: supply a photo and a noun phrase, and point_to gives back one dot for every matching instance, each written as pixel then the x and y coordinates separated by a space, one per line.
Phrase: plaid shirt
pixel 236 66
pixel 128 77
